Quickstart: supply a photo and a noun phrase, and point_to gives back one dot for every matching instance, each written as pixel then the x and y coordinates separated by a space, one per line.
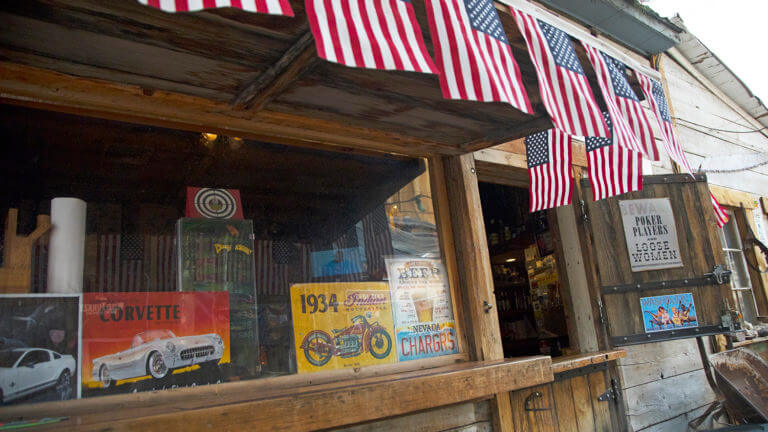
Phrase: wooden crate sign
pixel 660 241
pixel 649 228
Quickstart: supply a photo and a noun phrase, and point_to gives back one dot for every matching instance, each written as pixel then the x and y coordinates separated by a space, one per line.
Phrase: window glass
pixel 741 284
pixel 208 258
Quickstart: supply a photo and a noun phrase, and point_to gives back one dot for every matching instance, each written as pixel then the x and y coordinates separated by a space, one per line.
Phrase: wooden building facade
pixel 124 106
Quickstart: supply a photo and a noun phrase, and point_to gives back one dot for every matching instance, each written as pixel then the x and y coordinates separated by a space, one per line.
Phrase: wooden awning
pixel 244 74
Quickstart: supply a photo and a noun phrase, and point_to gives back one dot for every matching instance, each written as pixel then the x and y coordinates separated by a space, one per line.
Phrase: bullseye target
pixel 215 203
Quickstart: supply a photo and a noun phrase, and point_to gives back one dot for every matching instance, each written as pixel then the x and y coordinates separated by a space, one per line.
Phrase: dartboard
pixel 215 203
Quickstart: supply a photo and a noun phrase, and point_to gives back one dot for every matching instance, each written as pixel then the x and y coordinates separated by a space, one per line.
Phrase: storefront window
pixel 197 259
pixel 740 282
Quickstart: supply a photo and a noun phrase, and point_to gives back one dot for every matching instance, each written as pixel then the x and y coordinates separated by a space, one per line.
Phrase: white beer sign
pixel 649 227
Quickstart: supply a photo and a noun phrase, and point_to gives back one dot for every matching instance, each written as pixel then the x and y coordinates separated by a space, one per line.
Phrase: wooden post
pixel 474 271
pixel 16 272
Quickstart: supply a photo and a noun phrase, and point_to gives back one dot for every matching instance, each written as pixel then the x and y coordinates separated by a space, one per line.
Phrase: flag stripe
pixel 373 34
pixel 550 182
pixel 272 7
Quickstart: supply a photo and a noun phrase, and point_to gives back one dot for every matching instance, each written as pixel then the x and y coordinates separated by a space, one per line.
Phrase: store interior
pixel 526 282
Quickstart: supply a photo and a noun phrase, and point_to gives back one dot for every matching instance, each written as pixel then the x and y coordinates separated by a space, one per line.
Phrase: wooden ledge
pixel 748 342
pixel 303 408
pixel 563 364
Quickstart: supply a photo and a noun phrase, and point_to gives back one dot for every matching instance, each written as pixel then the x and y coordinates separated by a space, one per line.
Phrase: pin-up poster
pixel 668 312
pixel 153 340
pixel 39 347
pixel 342 325
pixel 424 321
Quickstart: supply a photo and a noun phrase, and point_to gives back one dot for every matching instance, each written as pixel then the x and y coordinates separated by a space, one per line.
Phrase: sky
pixel 736 31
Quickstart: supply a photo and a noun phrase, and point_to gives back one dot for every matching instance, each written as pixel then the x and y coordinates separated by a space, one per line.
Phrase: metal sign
pixel 649 227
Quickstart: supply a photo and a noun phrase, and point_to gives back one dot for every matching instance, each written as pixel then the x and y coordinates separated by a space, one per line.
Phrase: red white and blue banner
pixel 629 120
pixel 272 7
pixel 613 169
pixel 473 54
pixel 549 169
pixel 373 34
pixel 564 87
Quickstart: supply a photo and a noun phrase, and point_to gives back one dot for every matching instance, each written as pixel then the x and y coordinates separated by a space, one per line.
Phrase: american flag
pixel 720 214
pixel 564 88
pixel 628 116
pixel 272 7
pixel 613 169
pixel 549 169
pixel 279 264
pixel 373 34
pixel 473 54
pixel 135 263
pixel 654 92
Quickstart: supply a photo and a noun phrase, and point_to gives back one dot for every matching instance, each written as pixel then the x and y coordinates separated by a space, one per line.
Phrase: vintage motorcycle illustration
pixel 351 341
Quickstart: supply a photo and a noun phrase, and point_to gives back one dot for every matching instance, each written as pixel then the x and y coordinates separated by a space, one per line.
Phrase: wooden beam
pixel 509 133
pixel 44 89
pixel 297 59
pixel 304 408
pixel 732 197
pixel 475 278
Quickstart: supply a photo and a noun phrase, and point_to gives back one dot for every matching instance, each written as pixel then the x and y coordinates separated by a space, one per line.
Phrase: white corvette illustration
pixel 157 353
pixel 24 371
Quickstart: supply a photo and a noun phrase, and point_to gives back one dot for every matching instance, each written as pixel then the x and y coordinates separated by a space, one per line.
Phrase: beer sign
pixel 424 321
pixel 649 227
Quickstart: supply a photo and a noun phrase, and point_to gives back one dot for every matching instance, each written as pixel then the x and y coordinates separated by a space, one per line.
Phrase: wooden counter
pixel 562 364
pixel 252 405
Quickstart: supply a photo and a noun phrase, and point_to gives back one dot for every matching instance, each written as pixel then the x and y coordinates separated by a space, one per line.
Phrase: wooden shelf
pixel 563 364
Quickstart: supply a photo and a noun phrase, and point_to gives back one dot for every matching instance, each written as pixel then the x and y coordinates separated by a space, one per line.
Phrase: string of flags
pixel 473 61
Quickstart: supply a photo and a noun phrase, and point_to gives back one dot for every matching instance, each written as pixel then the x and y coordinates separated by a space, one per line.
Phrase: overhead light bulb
pixel 210 136
pixel 511 259
pixel 235 143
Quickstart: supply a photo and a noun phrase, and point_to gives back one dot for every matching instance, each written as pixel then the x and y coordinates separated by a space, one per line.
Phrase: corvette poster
pixel 153 340
pixel 342 325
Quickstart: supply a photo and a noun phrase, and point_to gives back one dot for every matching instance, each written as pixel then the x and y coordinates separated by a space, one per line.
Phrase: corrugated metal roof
pixel 626 21
pixel 706 62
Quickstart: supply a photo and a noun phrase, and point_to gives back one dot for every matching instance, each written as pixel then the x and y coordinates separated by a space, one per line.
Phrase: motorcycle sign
pixel 342 325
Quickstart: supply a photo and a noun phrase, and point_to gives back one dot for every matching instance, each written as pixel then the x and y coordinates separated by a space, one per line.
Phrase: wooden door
pixel 619 288
pixel 577 401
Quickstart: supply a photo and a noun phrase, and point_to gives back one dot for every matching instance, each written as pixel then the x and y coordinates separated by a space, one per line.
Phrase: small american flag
pixel 655 94
pixel 613 169
pixel 373 34
pixel 280 264
pixel 473 54
pixel 564 88
pixel 628 116
pixel 549 169
pixel 720 214
pixel 272 7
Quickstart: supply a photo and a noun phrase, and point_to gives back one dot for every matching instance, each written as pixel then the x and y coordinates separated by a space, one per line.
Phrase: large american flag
pixel 564 88
pixel 373 34
pixel 613 169
pixel 135 263
pixel 473 54
pixel 549 169
pixel 654 92
pixel 272 7
pixel 628 116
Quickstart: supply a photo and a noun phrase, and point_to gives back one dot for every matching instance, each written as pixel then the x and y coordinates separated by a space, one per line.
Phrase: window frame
pixel 739 259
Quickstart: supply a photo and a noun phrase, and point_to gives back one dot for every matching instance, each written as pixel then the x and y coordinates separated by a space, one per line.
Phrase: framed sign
pixel 649 228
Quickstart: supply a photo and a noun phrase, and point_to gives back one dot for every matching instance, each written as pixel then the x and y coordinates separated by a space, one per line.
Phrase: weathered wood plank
pixel 601 410
pixel 453 418
pixel 566 363
pixel 585 417
pixel 39 88
pixel 288 409
pixel 268 84
pixel 664 399
pixel 562 395
pixel 650 362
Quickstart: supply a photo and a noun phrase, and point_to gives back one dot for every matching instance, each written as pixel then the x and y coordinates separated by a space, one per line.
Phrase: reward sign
pixel 649 227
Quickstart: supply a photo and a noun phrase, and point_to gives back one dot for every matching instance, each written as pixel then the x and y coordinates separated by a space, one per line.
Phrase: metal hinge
pixel 583 207
pixel 609 393
pixel 601 311
pixel 530 398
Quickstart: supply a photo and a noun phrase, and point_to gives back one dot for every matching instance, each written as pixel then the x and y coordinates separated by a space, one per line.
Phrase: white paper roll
pixel 66 251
